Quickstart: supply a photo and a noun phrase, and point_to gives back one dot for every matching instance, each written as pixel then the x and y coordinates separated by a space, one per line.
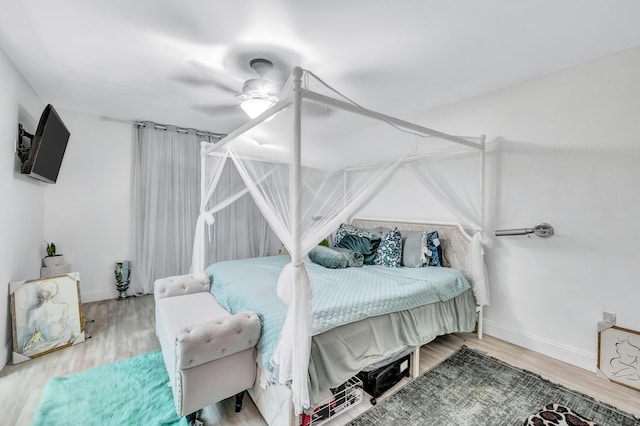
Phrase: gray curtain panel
pixel 166 207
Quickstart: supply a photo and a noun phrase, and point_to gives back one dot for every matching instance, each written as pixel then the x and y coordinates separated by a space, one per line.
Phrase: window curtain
pixel 167 205
pixel 166 200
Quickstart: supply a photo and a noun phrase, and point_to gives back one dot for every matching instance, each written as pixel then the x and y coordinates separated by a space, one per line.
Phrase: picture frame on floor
pixel 46 315
pixel 619 355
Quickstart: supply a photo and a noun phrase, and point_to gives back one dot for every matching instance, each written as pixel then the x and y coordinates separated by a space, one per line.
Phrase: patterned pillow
pixel 345 229
pixel 379 231
pixel 389 251
pixel 432 250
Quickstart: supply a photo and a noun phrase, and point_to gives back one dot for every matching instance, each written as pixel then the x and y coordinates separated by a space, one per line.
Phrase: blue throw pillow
pixel 328 257
pixel 433 249
pixel 412 242
pixel 389 251
pixel 366 246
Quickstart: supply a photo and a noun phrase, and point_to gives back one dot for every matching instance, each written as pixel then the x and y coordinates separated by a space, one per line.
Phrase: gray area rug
pixel 472 388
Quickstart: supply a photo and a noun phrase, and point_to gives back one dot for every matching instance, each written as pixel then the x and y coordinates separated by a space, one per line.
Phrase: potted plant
pixel 52 259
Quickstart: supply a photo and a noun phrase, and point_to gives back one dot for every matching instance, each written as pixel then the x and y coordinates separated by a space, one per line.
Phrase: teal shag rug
pixel 129 392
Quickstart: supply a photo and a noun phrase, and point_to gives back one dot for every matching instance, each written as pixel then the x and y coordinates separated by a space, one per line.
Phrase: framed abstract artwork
pixel 45 315
pixel 619 355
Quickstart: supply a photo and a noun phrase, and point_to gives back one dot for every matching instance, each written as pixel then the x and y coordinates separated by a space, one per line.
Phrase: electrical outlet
pixel 609 317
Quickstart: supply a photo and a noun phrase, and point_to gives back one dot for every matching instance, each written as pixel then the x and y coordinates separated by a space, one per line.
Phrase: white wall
pixel 89 211
pixel 568 154
pixel 21 209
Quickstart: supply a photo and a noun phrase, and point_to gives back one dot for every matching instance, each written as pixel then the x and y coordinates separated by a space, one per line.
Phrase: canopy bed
pixel 308 163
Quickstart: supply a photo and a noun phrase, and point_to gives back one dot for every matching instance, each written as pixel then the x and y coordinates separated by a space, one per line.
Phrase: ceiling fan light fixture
pixel 253 107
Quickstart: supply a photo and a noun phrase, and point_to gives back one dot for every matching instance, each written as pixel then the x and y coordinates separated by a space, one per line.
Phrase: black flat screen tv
pixel 47 147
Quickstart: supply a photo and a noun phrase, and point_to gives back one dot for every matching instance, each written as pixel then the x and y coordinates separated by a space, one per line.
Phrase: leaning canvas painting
pixel 619 355
pixel 46 315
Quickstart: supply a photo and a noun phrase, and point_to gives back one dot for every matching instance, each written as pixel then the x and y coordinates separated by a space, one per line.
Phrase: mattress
pixel 359 314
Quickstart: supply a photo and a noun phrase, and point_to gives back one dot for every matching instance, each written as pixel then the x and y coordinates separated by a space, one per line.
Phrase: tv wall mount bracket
pixel 22 149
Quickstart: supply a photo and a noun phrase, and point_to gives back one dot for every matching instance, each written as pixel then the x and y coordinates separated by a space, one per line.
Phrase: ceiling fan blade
pixel 226 117
pixel 199 82
pixel 216 78
pixel 213 110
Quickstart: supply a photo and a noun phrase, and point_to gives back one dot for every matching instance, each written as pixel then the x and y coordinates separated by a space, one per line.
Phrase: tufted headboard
pixel 455 246
pixel 455 240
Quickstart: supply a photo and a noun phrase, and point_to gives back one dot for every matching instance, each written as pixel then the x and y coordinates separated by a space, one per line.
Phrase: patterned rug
pixel 472 388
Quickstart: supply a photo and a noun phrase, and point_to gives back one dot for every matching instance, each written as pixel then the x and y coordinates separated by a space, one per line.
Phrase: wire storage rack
pixel 344 397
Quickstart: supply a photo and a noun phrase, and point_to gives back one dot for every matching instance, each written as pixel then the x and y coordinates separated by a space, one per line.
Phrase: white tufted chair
pixel 209 353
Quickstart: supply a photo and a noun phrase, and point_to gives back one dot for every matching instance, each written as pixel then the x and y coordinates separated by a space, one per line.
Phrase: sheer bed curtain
pixel 240 230
pixel 167 204
pixel 307 175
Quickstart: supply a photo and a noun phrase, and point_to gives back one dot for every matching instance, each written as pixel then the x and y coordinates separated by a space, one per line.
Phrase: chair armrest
pixel 180 285
pixel 217 338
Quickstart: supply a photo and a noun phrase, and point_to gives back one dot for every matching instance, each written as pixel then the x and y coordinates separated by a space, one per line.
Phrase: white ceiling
pixel 156 60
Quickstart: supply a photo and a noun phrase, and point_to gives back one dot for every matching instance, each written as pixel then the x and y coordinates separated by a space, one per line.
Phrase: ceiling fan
pixel 259 94
pixel 254 95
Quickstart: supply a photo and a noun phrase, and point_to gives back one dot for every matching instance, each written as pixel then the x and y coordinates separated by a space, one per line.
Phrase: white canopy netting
pixel 310 162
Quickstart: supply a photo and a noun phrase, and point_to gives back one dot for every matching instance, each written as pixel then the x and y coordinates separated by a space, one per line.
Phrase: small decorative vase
pixel 122 271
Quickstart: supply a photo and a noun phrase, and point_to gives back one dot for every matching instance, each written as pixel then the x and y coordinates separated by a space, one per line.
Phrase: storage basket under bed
pixel 344 397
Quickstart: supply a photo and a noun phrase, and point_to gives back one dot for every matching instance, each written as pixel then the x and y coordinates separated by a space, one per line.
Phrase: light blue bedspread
pixel 340 296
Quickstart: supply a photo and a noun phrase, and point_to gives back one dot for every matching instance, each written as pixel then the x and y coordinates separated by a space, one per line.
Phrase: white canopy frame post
pixel 294 288
pixel 199 243
pixel 203 201
pixel 205 217
pixel 296 159
pixel 480 306
pixel 483 144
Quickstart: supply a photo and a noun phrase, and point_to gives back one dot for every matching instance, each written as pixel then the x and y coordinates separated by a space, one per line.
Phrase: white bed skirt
pixel 430 321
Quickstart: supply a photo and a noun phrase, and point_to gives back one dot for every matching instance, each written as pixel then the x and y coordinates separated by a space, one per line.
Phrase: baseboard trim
pixel 96 296
pixel 569 354
pixel 5 356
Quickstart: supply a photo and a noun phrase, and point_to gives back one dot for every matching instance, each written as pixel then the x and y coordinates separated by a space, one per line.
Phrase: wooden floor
pixel 123 329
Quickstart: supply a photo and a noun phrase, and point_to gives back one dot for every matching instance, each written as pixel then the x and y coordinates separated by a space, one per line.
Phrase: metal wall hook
pixel 543 230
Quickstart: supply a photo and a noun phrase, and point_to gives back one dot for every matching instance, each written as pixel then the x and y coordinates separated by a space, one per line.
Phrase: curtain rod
pixel 141 123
